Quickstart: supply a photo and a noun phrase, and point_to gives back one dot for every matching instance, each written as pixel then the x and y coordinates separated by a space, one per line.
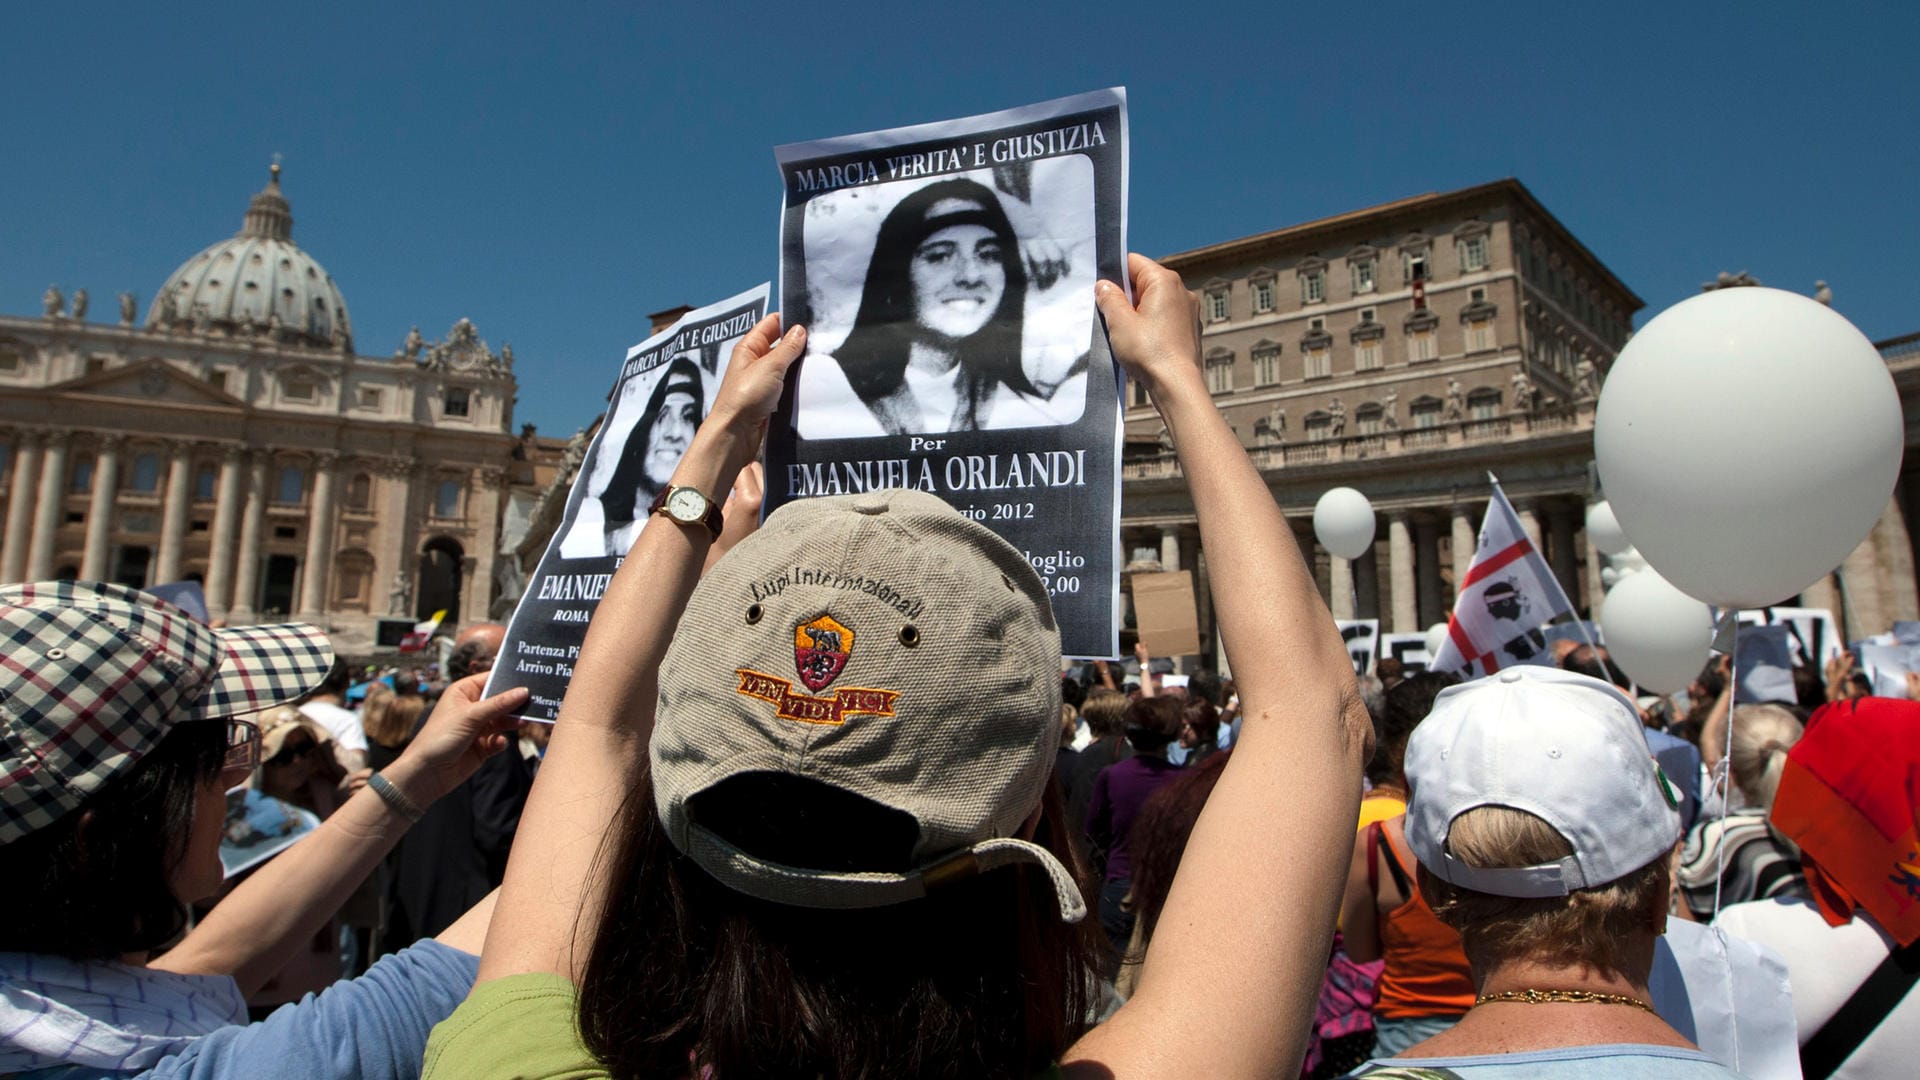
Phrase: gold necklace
pixel 1582 997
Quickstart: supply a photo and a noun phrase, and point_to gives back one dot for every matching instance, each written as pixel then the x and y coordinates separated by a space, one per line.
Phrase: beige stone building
pixel 1408 350
pixel 237 438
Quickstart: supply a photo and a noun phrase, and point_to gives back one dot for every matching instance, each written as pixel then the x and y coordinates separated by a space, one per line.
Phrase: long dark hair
pixel 874 356
pixel 1160 835
pixel 979 979
pixel 621 499
pixel 94 885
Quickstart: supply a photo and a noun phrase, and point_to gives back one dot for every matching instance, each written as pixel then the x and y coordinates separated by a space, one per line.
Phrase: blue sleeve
pixel 370 1028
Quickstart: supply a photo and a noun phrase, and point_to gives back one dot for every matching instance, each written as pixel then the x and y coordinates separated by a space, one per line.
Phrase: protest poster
pixel 664 390
pixel 1363 642
pixel 1763 663
pixel 258 827
pixel 945 275
pixel 1409 649
pixel 1164 613
pixel 1813 632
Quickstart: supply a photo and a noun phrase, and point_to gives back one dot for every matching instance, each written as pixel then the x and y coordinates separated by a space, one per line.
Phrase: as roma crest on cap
pixel 820 651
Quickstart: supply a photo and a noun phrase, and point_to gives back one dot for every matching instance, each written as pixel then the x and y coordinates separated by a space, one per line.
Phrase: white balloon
pixel 1436 637
pixel 1343 520
pixel 1658 635
pixel 1604 532
pixel 1748 440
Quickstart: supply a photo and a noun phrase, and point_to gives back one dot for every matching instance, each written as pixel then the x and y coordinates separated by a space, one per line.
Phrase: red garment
pixel 1850 798
pixel 1426 968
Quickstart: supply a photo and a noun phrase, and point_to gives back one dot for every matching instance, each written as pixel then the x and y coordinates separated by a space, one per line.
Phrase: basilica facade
pixel 236 437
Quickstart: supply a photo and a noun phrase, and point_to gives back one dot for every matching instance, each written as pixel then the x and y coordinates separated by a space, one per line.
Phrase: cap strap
pixel 1547 879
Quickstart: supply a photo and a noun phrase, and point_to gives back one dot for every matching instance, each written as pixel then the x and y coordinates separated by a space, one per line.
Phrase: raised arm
pixel 599 746
pixel 255 930
pixel 1249 921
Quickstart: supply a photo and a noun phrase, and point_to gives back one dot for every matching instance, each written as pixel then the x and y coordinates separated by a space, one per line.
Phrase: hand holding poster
pixel 664 391
pixel 945 275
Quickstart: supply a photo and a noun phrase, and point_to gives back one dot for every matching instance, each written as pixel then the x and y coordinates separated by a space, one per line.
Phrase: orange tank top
pixel 1426 968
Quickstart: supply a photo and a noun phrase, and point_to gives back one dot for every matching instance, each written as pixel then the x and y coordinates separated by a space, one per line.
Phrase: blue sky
pixel 558 171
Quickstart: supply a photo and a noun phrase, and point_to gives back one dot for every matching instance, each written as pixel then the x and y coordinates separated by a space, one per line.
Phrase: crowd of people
pixel 936 859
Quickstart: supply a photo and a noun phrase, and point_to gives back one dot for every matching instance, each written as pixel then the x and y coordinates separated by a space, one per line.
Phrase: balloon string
pixel 1724 769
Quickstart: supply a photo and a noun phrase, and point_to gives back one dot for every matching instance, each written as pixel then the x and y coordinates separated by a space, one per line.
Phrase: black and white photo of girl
pixel 648 429
pixel 961 303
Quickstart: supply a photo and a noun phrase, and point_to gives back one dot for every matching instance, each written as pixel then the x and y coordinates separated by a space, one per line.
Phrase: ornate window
pixel 1220 371
pixel 1263 430
pixel 1416 256
pixel 1480 336
pixel 11 356
pixel 1319 361
pixel 368 397
pixel 1262 287
pixel 1483 404
pixel 1266 363
pixel 457 401
pixel 1425 412
pixel 291 487
pixel 1422 344
pixel 1367 356
pixel 1319 425
pixel 360 492
pixel 144 477
pixel 206 481
pixel 82 476
pixel 298 386
pixel 1313 282
pixel 1473 242
pixel 446 499
pixel 1366 419
pixel 1217 294
pixel 1363 275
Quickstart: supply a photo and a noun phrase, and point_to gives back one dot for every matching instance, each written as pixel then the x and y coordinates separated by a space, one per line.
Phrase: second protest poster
pixel 664 391
pixel 945 274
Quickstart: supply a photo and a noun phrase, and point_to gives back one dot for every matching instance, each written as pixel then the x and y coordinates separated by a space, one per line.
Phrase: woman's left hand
pixel 464 731
pixel 751 387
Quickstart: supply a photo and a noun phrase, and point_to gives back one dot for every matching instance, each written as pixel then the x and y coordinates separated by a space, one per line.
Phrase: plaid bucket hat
pixel 887 646
pixel 93 675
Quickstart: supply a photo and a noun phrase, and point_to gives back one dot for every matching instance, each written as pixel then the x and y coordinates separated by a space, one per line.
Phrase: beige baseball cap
pixel 884 645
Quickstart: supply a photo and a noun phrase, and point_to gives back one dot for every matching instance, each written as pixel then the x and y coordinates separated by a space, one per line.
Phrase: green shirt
pixel 521 1027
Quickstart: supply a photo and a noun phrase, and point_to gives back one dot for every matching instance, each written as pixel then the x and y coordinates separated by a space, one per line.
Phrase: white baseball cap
pixel 1562 746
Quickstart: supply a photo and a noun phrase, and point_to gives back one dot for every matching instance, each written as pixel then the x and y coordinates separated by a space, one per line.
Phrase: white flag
pixel 1509 594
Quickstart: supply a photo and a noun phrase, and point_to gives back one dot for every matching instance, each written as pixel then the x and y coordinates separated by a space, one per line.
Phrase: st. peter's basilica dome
pixel 257 282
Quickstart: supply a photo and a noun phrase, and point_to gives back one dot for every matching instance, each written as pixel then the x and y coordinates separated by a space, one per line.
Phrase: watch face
pixel 687 505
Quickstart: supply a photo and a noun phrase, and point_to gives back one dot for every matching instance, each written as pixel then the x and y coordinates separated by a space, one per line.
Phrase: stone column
pixel 173 513
pixel 21 499
pixel 395 558
pixel 1860 585
pixel 106 487
pixel 1169 547
pixel 1406 619
pixel 1340 592
pixel 1366 581
pixel 1426 562
pixel 313 577
pixel 246 571
pixel 1895 552
pixel 1560 529
pixel 1464 542
pixel 50 510
pixel 1596 586
pixel 226 510
pixel 1529 516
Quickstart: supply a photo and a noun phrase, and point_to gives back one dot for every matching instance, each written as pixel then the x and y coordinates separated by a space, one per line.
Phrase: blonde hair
pixel 1757 746
pixel 1105 712
pixel 389 718
pixel 1589 928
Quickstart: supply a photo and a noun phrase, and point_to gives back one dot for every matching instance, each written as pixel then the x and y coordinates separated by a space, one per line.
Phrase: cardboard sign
pixel 1164 612
pixel 1409 649
pixel 1363 642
